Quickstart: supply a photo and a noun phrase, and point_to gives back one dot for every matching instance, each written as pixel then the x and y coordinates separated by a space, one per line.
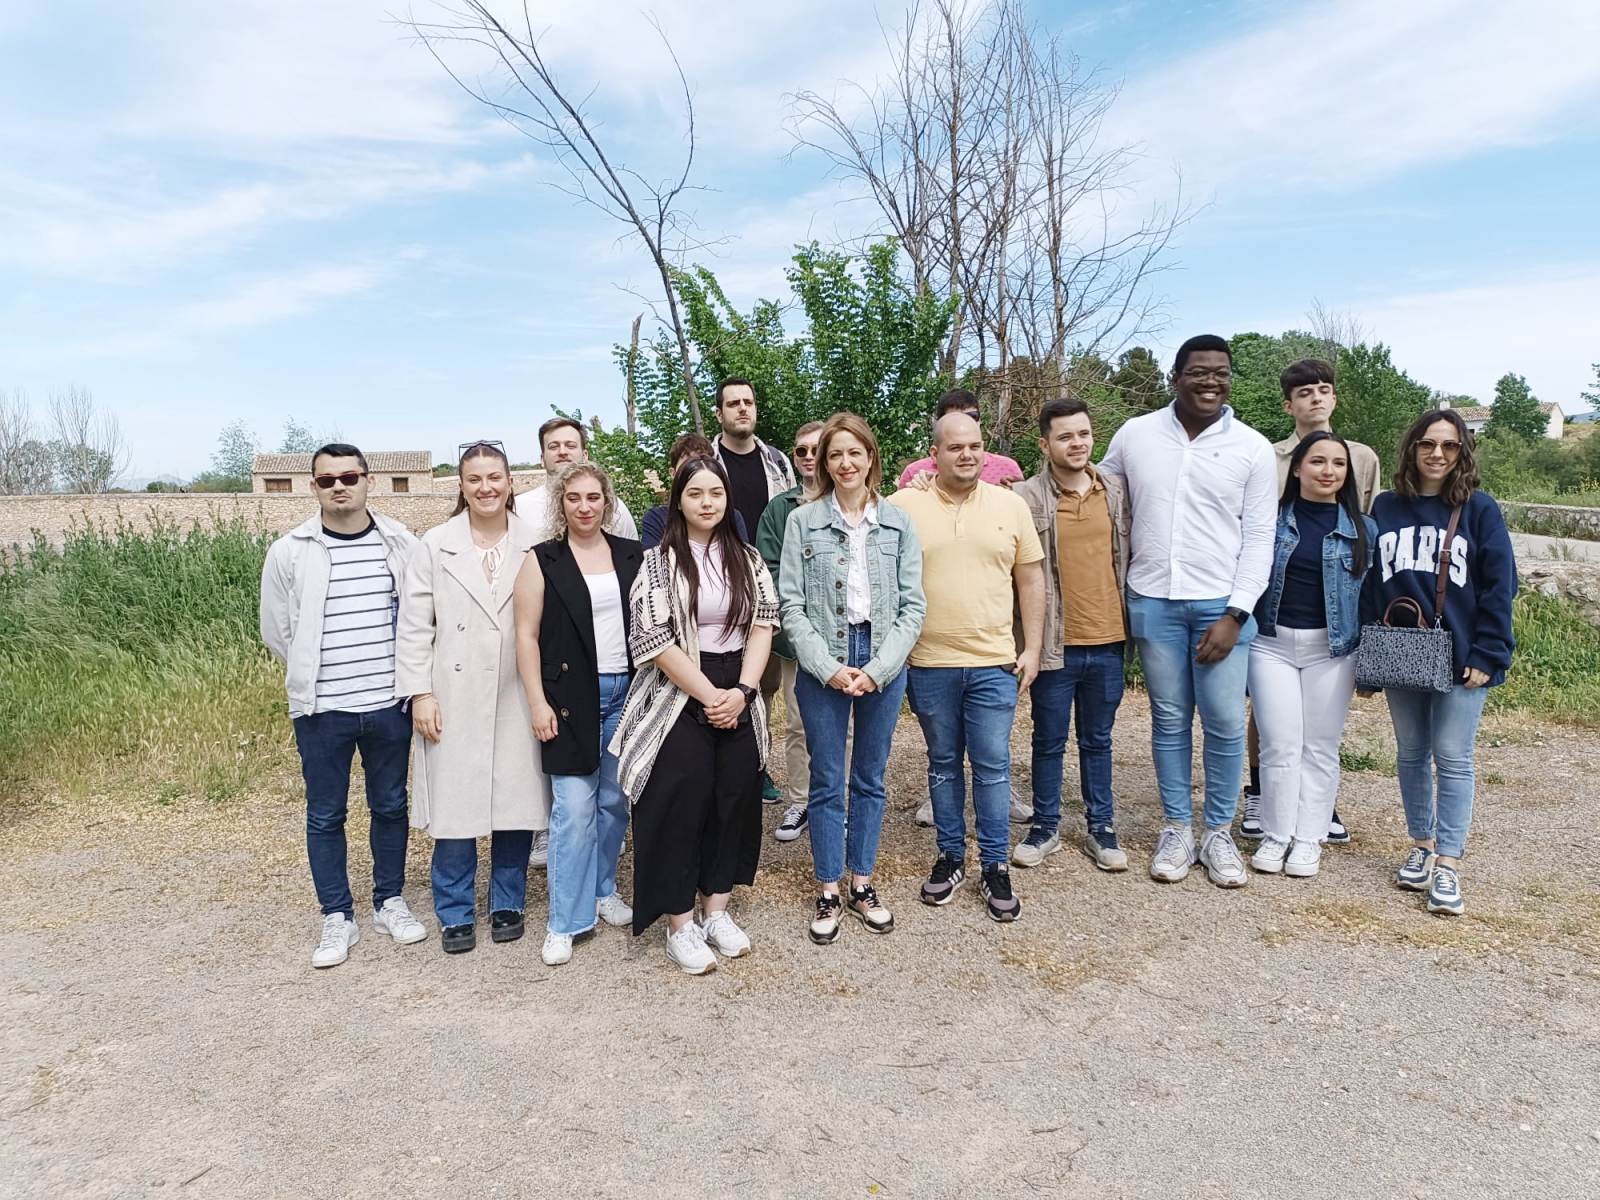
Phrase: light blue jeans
pixel 588 820
pixel 966 712
pixel 1436 730
pixel 1169 633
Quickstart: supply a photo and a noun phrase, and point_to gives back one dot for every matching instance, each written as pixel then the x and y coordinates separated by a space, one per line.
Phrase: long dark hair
pixel 1349 497
pixel 1462 481
pixel 736 563
pixel 483 450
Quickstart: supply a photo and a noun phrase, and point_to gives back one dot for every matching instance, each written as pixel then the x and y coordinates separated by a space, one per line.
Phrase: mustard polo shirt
pixel 969 548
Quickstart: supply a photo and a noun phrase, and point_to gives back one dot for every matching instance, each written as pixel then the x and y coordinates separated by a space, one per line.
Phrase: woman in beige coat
pixel 474 759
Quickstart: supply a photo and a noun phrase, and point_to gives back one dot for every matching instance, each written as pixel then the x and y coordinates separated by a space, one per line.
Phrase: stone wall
pixel 1553 520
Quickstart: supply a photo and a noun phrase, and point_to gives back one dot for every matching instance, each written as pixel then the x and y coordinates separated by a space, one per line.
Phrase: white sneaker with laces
pixel 725 937
pixel 1174 855
pixel 1269 855
pixel 1304 859
pixel 539 856
pixel 614 910
pixel 924 815
pixel 557 948
pixel 395 919
pixel 339 933
pixel 1021 810
pixel 687 948
pixel 1221 859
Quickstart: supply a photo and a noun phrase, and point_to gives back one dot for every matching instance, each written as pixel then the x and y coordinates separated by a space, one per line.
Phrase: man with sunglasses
pixel 562 441
pixel 769 542
pixel 329 596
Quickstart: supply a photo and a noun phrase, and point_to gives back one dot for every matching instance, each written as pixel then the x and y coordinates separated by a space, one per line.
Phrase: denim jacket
pixel 1341 587
pixel 812 581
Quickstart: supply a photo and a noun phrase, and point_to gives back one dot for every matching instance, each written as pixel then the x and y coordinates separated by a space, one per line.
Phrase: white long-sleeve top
pixel 1202 511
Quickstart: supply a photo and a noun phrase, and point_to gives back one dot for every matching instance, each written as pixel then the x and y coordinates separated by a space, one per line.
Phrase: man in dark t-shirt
pixel 756 471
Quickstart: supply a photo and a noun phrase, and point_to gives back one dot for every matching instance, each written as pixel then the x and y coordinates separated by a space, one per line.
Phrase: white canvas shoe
pixel 1269 855
pixel 1174 855
pixel 1304 859
pixel 557 948
pixel 395 919
pixel 614 910
pixel 339 933
pixel 1221 859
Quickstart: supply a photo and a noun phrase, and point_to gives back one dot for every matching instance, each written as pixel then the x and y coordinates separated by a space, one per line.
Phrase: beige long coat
pixel 483 774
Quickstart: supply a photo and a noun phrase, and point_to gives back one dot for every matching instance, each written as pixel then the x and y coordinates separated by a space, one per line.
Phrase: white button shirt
pixel 1203 511
pixel 858 578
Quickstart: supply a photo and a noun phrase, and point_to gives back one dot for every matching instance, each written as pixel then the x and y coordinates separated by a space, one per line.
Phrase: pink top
pixel 712 611
pixel 997 468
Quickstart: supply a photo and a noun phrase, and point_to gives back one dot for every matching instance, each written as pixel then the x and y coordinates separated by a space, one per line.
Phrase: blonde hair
pixel 847 422
pixel 558 493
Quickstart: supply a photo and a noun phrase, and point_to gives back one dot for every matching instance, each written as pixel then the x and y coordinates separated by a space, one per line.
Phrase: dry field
pixel 164 1035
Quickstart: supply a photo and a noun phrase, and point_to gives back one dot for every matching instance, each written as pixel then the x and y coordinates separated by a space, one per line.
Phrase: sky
pixel 286 209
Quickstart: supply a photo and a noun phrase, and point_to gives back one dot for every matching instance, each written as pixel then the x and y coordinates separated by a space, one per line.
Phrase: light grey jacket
pixel 294 592
pixel 813 578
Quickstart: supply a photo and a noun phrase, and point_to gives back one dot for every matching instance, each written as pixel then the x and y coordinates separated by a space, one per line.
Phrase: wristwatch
pixel 749 694
pixel 1239 616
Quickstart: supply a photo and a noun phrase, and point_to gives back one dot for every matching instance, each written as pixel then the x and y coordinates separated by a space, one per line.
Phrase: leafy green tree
pixel 297 439
pixel 234 456
pixel 1593 397
pixel 219 481
pixel 1258 361
pixel 1377 401
pixel 1516 409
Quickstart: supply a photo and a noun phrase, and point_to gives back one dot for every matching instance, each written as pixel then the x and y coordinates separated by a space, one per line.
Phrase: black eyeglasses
pixel 481 444
pixel 1196 374
pixel 348 479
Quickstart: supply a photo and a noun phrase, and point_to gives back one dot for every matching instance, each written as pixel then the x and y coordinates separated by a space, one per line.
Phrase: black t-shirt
pixel 749 479
pixel 1303 605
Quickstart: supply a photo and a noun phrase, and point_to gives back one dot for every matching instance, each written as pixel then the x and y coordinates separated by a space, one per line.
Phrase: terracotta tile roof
pixel 398 461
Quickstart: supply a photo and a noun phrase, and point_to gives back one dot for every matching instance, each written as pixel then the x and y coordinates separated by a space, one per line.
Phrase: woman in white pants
pixel 1302 663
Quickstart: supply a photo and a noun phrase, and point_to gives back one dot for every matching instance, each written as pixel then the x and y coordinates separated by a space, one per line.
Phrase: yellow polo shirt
pixel 968 551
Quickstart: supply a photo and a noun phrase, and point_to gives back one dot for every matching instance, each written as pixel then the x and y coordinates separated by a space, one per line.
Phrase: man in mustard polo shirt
pixel 978 542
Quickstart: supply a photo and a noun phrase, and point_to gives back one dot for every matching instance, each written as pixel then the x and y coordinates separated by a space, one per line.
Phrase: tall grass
pixel 1556 668
pixel 130 660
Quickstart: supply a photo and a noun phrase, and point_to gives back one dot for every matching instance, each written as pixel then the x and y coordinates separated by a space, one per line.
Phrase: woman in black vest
pixel 571 603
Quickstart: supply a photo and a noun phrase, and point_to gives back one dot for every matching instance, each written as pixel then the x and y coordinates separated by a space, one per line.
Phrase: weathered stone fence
pixel 1553 520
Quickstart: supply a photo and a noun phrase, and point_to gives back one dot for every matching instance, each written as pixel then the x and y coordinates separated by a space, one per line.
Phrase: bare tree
pixel 25 460
pixel 1336 329
pixel 90 452
pixel 537 105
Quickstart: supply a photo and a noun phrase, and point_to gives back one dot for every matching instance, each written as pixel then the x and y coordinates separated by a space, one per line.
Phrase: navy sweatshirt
pixel 1483 574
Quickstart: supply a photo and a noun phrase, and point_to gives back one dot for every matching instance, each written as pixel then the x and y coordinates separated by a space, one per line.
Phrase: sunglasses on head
pixel 348 479
pixel 483 443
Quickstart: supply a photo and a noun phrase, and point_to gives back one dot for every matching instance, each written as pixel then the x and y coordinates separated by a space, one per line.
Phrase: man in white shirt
pixel 1202 496
pixel 561 441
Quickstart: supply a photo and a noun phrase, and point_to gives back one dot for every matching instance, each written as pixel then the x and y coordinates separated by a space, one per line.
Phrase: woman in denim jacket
pixel 850 590
pixel 1302 663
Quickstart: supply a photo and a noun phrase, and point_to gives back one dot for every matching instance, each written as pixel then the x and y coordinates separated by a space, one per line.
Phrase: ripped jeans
pixel 967 712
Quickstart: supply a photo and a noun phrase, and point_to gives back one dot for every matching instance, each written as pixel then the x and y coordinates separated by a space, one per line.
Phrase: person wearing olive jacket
pixel 850 591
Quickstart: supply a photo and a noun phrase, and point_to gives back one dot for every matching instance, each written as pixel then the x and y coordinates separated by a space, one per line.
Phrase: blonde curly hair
pixel 558 491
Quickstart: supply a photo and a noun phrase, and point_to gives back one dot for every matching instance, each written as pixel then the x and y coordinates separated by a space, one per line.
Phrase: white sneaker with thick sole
pixel 1269 855
pixel 539 856
pixel 687 948
pixel 1221 859
pixel 726 938
pixel 395 919
pixel 339 933
pixel 1304 859
pixel 924 815
pixel 1021 810
pixel 614 910
pixel 557 948
pixel 1174 855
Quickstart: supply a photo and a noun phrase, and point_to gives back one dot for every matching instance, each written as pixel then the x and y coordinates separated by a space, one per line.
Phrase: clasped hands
pixel 852 681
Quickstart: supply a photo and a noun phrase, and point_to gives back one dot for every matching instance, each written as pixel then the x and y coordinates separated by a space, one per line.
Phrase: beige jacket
pixel 483 774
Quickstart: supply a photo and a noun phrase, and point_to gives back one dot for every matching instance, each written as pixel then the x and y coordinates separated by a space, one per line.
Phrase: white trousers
pixel 1301 698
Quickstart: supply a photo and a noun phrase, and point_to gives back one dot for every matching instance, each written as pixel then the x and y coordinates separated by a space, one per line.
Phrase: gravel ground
pixel 164 1035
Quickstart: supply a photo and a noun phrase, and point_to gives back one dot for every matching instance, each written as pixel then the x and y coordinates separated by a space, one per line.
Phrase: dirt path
pixel 163 1034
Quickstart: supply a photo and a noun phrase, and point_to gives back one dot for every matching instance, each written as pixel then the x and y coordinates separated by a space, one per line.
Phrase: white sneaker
pixel 557 948
pixel 1221 858
pixel 339 933
pixel 1269 855
pixel 925 813
pixel 727 938
pixel 539 856
pixel 1304 859
pixel 1174 855
pixel 1021 810
pixel 688 949
pixel 614 910
pixel 396 920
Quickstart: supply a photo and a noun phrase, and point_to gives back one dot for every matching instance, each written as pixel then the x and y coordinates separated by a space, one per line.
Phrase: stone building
pixel 394 473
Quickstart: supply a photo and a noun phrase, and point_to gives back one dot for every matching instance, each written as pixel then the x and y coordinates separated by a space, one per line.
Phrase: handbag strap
pixel 1443 564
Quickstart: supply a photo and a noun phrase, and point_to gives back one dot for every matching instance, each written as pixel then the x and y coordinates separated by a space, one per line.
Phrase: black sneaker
pixel 947 875
pixel 505 925
pixel 458 939
pixel 1003 906
pixel 1338 835
pixel 865 905
pixel 793 824
pixel 1250 825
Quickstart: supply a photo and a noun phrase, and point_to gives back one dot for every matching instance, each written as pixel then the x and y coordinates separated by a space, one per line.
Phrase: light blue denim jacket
pixel 811 589
pixel 1341 587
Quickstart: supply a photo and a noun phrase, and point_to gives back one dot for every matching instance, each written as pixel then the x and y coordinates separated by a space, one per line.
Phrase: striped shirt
pixel 356 673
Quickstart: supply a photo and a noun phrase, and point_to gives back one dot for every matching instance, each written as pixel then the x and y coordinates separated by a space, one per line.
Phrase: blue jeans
pixel 1168 633
pixel 1437 730
pixel 327 742
pixel 1090 681
pixel 588 821
pixel 455 868
pixel 826 712
pixel 967 711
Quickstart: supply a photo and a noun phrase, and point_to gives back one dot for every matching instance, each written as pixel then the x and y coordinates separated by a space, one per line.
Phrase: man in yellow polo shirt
pixel 978 543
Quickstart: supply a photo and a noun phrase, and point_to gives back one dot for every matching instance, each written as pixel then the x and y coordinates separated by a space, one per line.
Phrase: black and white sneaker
pixel 1338 835
pixel 865 905
pixel 1416 873
pixel 1003 906
pixel 793 823
pixel 1250 826
pixel 825 925
pixel 1444 896
pixel 947 875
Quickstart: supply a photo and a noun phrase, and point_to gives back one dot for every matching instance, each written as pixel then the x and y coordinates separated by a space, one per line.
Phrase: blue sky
pixel 283 208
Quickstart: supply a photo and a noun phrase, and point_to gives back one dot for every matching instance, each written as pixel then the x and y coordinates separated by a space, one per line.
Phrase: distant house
pixel 394 473
pixel 1477 416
